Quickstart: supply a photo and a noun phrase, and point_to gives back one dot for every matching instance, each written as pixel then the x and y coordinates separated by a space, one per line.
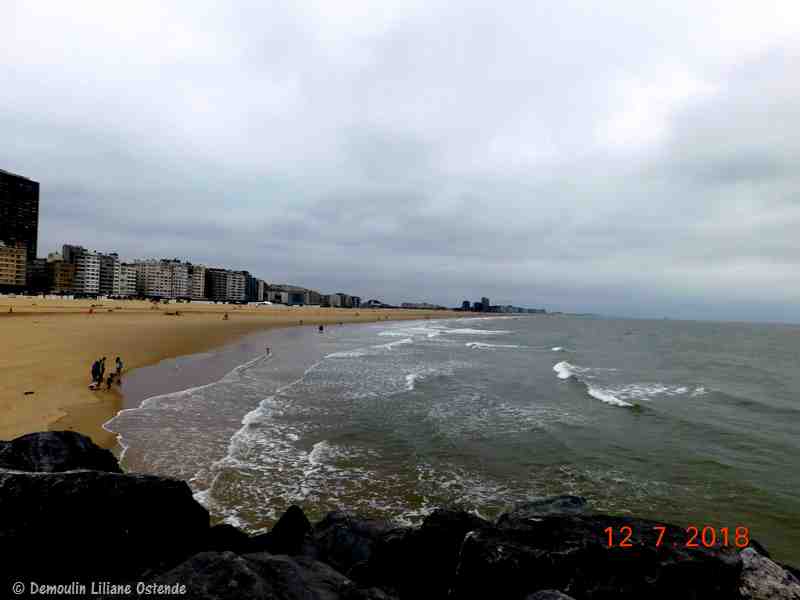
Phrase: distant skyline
pixel 625 158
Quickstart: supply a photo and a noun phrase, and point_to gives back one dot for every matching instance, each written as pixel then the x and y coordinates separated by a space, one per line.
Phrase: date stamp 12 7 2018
pixel 695 537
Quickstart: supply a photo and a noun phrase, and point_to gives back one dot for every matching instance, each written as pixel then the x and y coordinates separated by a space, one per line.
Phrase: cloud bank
pixel 631 158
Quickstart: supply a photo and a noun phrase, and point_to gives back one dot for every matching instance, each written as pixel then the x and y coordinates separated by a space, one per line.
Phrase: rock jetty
pixel 70 517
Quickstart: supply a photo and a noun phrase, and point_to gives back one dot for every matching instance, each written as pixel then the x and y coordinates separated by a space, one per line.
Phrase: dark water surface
pixel 689 422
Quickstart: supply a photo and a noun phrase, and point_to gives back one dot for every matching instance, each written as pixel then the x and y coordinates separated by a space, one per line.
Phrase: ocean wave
pixel 347 354
pixel 469 331
pixel 391 345
pixel 484 345
pixel 565 370
pixel 607 397
pixel 557 349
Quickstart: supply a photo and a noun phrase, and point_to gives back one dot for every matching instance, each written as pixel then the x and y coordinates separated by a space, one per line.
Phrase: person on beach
pixel 321 328
pixel 109 381
pixel 119 366
pixel 268 351
pixel 102 369
pixel 95 373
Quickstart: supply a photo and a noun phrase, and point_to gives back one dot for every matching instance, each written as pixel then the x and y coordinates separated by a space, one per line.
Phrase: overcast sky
pixel 627 158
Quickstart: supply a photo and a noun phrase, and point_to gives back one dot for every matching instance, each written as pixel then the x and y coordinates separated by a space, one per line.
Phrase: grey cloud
pixel 618 158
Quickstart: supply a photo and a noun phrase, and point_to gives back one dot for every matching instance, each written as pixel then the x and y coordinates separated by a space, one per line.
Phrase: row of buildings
pixel 79 271
pixel 486 306
pixel 82 272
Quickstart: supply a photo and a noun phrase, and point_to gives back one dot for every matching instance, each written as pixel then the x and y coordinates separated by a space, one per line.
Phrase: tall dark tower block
pixel 19 212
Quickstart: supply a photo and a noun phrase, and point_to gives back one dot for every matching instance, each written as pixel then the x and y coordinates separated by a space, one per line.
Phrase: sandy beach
pixel 49 346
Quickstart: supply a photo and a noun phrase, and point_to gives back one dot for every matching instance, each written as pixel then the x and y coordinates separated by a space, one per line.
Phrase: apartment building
pixel 197 282
pixel 223 285
pixel 127 280
pixel 162 278
pixel 110 275
pixel 19 212
pixel 86 281
pixel 12 268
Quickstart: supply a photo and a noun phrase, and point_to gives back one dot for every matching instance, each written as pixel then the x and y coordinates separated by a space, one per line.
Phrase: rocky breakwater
pixel 69 516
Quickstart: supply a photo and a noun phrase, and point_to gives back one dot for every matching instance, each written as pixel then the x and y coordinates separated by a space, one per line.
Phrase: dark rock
pixel 107 526
pixel 56 451
pixel 224 537
pixel 548 595
pixel 290 535
pixel 346 542
pixel 571 553
pixel 763 579
pixel 420 563
pixel 214 575
pixel 556 505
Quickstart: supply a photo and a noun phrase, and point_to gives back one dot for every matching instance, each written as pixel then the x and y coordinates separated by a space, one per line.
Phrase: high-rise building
pixel 485 304
pixel 86 281
pixel 12 268
pixel 19 212
pixel 87 274
pixel 197 282
pixel 162 278
pixel 127 280
pixel 223 285
pixel 110 274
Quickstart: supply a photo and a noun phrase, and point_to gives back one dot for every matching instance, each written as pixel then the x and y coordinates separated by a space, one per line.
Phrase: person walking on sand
pixel 119 366
pixel 109 381
pixel 102 369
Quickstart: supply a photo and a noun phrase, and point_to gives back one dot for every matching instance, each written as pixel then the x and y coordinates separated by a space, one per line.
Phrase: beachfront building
pixel 340 300
pixel 162 279
pixel 197 282
pixel 254 288
pixel 36 277
pixel 110 274
pixel 86 281
pixel 223 285
pixel 60 275
pixel 127 280
pixel 421 306
pixel 19 213
pixel 12 268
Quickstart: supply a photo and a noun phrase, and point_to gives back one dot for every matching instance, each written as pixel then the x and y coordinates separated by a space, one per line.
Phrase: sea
pixel 692 423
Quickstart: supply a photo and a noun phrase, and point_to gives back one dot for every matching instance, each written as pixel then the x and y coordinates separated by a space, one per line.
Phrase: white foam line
pixel 152 399
pixel 606 397
pixel 249 417
pixel 477 345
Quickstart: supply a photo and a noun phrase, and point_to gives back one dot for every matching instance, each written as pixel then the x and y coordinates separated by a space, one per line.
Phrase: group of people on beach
pixel 99 371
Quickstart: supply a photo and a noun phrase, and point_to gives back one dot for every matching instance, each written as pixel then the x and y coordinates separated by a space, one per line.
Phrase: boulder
pixel 217 576
pixel 96 525
pixel 224 537
pixel 345 541
pixel 571 553
pixel 420 562
pixel 222 576
pixel 556 505
pixel 763 579
pixel 290 535
pixel 56 451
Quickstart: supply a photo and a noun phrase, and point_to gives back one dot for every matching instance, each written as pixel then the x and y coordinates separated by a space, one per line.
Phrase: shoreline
pixel 52 343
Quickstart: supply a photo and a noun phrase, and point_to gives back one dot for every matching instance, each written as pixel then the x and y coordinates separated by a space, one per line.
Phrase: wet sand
pixel 49 346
